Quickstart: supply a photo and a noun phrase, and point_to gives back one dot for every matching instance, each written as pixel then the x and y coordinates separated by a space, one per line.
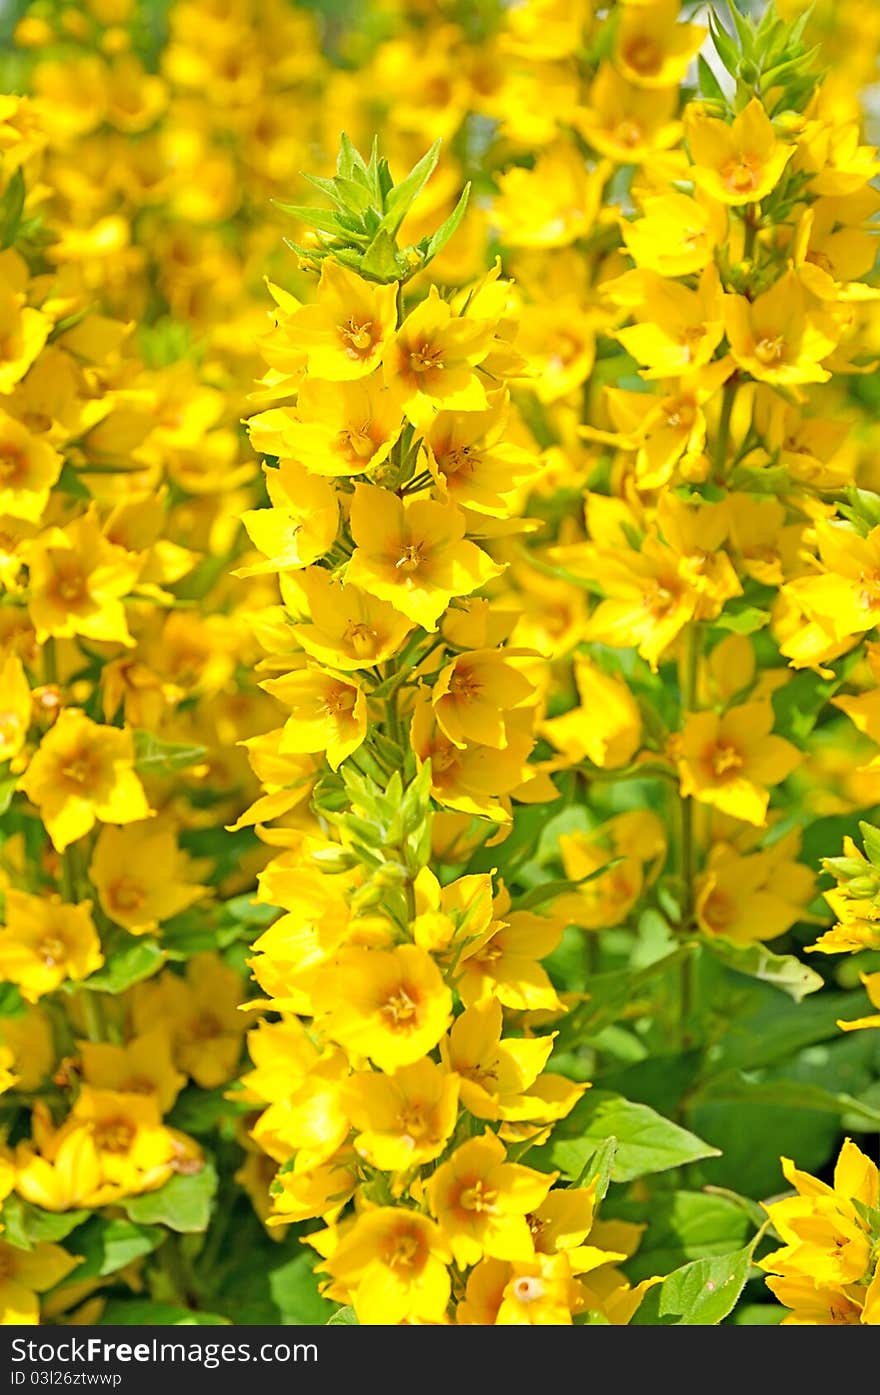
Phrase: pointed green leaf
pixel 379 262
pixel 700 1294
pixel 401 198
pixel 184 1203
pixel 439 239
pixel 757 961
pixel 646 1142
pixel 710 87
pixel 11 208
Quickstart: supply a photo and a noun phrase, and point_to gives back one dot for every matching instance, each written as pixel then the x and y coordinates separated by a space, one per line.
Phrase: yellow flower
pixel 77 581
pixel 345 627
pixel 202 1013
pixel 29 467
pixel 413 554
pixel 652 48
pixel 390 1005
pixel 403 1120
pixel 737 164
pixel 628 123
pixel 731 761
pixel 753 897
pixel 552 204
pixel 503 963
pixel 606 726
pixel 472 694
pixel 472 464
pixel 394 1264
pixel 676 235
pixel 776 338
pixel 328 712
pixel 141 877
pixel 337 428
pixel 346 331
pixel 630 841
pixel 825 1239
pixel 45 942
pixel 81 773
pixel 476 779
pixel 872 986
pixel 300 526
pixel 432 360
pixel 496 1073
pixel 481 1201
pixel 15 707
pixel 26 1273
pixel 142 1066
pixel 23 331
pixel 678 329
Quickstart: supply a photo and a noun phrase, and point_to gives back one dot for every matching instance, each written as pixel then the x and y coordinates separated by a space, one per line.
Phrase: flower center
pixel 410 558
pixel 400 1008
pixel 80 768
pixel 724 759
pixel 680 413
pixel 70 587
pixel 360 637
pixel 464 685
pixel 478 1197
pixel 405 1250
pixel 52 950
pixel 742 174
pixel 339 701
pixel 628 133
pixel 644 55
pixel 426 358
pixel 13 463
pixel 126 894
pixel 357 336
pixel 770 349
pixel 114 1135
pixel 205 1027
pixel 356 442
pixel 412 1122
pixel 459 461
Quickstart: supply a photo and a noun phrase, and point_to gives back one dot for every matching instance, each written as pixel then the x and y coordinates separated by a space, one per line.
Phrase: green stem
pixel 722 441
pixel 93 1012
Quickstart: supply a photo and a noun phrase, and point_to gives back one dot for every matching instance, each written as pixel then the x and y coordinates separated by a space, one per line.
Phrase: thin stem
pixel 719 456
pixel 93 1013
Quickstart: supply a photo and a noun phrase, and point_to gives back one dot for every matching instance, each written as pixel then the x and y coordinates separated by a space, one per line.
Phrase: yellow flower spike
pixel 83 773
pixel 44 942
pixel 432 360
pixel 328 712
pixel 413 554
pixel 140 877
pixel 403 1120
pixel 389 1005
pixel 394 1262
pixel 346 331
pixel 737 164
pixel 481 1201
pixel 732 761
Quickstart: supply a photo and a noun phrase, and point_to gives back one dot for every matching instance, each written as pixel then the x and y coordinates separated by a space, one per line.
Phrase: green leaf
pixel 130 959
pixel 11 208
pixel 599 1167
pixel 141 1312
pixel 710 87
pixel 683 1226
pixel 343 1317
pixel 793 1094
pixel 646 1142
pixel 25 1225
pixel 7 790
pixel 108 1245
pixel 548 890
pixel 403 195
pixel 700 1294
pixel 153 756
pixel 871 840
pixel 184 1203
pixel 783 971
pixel 438 240
pixel 743 622
pixel 320 218
pixel 724 44
pixel 379 262
pixel 70 483
pixel 350 163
